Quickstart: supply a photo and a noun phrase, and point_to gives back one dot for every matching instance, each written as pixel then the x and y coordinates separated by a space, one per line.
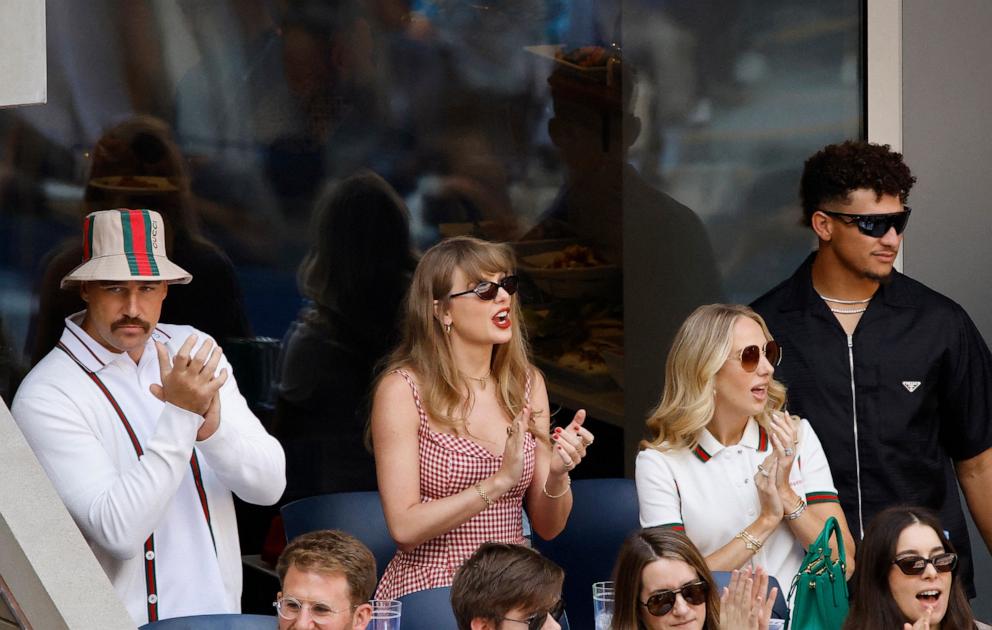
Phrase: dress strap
pixel 416 395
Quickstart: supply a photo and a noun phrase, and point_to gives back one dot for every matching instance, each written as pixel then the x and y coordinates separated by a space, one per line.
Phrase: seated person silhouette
pixel 355 277
pixel 136 164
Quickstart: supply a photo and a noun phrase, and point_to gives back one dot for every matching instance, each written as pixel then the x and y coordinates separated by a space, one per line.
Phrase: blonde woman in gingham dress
pixel 460 422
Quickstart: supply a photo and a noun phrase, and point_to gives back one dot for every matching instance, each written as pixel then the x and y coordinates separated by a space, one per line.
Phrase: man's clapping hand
pixel 189 382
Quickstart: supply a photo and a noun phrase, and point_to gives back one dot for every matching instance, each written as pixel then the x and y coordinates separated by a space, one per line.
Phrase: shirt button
pixel 746 481
pixel 740 451
pixel 149 555
pixel 153 599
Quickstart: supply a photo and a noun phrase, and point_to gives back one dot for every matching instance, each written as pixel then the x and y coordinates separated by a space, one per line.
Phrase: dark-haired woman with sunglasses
pixel 906 576
pixel 748 483
pixel 662 582
pixel 460 423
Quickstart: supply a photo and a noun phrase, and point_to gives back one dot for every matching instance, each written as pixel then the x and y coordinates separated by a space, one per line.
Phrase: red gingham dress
pixel 448 465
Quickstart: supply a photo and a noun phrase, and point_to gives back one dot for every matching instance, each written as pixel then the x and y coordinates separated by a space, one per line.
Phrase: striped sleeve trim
pixel 821 497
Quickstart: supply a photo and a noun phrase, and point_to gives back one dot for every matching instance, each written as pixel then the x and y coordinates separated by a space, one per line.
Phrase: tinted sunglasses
pixel 537 621
pixel 487 290
pixel 916 565
pixel 750 356
pixel 875 225
pixel 662 602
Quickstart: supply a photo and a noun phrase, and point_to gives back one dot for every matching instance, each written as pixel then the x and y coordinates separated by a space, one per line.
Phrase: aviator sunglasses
pixel 537 621
pixel 662 602
pixel 750 356
pixel 916 565
pixel 487 290
pixel 874 225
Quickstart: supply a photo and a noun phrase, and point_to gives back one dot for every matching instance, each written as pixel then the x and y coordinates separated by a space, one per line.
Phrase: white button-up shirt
pixel 709 492
pixel 119 500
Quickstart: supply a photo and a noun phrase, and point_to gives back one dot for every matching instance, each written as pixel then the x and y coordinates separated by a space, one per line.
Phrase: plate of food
pixel 134 184
pixel 572 272
pixel 581 367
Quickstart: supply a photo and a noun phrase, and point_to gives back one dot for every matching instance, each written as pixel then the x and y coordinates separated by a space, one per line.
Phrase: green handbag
pixel 820 587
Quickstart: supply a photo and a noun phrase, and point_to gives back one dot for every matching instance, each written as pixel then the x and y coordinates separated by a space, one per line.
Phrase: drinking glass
pixel 602 604
pixel 385 614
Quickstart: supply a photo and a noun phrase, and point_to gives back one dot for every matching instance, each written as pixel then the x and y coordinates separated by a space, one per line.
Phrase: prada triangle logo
pixel 910 385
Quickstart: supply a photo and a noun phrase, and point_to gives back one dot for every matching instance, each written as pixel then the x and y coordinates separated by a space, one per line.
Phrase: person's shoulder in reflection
pixel 593 92
pixel 326 579
pixel 668 262
pixel 354 276
pixel 136 164
pixel 503 582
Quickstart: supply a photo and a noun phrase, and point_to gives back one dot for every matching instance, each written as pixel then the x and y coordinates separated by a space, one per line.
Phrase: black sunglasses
pixel 535 622
pixel 487 290
pixel 875 225
pixel 915 565
pixel 750 356
pixel 662 602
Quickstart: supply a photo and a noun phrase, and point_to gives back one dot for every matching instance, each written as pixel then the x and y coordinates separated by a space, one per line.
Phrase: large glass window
pixel 642 157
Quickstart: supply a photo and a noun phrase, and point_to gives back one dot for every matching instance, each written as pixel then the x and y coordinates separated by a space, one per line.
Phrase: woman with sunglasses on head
pixel 460 422
pixel 747 482
pixel 906 576
pixel 661 581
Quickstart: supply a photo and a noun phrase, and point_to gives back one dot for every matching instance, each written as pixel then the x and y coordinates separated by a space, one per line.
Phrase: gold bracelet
pixel 482 493
pixel 752 543
pixel 568 486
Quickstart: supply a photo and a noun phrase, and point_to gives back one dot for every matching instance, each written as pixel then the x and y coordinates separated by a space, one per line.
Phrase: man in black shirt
pixel 893 376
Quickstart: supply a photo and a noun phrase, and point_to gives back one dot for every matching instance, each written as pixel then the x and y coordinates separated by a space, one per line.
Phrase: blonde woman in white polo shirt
pixel 748 483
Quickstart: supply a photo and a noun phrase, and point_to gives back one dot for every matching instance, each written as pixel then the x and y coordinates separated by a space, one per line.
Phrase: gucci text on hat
pixel 122 245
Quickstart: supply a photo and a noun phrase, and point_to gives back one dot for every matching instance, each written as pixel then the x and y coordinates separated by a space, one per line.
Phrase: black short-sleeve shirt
pixel 919 398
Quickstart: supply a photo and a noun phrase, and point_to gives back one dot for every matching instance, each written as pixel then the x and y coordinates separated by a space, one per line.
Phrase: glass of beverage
pixel 385 614
pixel 602 604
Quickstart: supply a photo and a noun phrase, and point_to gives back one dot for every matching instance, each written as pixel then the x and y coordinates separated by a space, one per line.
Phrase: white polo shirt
pixel 176 493
pixel 709 493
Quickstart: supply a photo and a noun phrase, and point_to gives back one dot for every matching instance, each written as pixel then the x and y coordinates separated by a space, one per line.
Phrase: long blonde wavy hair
pixel 426 349
pixel 701 347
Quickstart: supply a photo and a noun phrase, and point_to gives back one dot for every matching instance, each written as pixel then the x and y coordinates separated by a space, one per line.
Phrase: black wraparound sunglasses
pixel 874 225
pixel 662 602
pixel 536 622
pixel 487 290
pixel 915 565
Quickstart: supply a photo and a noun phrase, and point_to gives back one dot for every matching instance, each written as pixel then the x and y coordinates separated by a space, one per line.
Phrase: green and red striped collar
pixel 754 437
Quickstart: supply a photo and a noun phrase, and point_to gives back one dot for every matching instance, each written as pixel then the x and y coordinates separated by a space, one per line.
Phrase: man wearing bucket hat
pixel 143 432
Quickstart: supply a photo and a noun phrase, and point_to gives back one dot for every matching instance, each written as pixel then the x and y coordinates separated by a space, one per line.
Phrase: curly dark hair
pixel 837 169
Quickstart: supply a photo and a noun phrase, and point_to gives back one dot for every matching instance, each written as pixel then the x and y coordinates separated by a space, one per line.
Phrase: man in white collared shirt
pixel 143 431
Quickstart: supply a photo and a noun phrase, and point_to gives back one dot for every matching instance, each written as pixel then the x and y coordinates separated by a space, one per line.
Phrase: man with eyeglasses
pixel 894 377
pixel 327 578
pixel 507 587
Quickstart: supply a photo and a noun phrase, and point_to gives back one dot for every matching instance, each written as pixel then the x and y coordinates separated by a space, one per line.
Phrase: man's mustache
pixel 131 321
